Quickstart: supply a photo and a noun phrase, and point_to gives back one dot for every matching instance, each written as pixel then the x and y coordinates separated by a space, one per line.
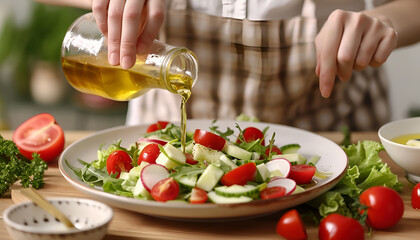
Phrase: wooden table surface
pixel 128 225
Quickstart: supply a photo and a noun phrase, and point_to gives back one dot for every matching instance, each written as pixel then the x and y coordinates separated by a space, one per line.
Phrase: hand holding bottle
pixel 130 27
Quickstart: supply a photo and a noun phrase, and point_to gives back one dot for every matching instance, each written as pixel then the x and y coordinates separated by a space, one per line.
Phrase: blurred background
pixel 31 79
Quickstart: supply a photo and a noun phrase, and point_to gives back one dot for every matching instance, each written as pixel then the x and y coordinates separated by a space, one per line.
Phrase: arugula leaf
pixel 16 168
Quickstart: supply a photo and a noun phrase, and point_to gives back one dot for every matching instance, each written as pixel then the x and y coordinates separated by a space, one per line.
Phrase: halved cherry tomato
pixel 165 190
pixel 273 192
pixel 118 161
pixel 385 206
pixel 149 153
pixel 339 227
pixel 40 134
pixel 274 149
pixel 240 175
pixel 198 195
pixel 157 126
pixel 302 173
pixel 415 197
pixel 291 227
pixel 251 134
pixel 190 159
pixel 209 139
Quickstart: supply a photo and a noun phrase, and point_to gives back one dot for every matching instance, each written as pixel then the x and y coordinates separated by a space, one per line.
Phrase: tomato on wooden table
pixel 240 175
pixel 338 227
pixel 40 134
pixel 198 195
pixel 273 192
pixel 159 125
pixel 385 206
pixel 251 134
pixel 118 161
pixel 415 196
pixel 302 173
pixel 209 139
pixel 149 153
pixel 291 226
pixel 165 190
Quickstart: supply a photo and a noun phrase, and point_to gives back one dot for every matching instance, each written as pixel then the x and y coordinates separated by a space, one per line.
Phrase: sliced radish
pixel 152 140
pixel 279 165
pixel 287 183
pixel 152 174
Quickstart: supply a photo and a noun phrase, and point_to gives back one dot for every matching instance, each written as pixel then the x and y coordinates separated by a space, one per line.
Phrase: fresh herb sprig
pixel 16 168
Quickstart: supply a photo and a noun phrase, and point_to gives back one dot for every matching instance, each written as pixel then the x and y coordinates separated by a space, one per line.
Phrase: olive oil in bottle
pixel 84 56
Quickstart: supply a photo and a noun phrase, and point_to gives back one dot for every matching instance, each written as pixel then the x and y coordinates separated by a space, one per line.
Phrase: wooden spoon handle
pixel 37 198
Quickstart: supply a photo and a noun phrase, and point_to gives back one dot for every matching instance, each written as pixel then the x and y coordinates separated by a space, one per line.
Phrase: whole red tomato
pixel 385 206
pixel 291 227
pixel 415 197
pixel 338 227
pixel 40 134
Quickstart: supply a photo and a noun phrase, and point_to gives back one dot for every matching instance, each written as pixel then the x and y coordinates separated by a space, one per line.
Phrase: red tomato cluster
pixel 384 206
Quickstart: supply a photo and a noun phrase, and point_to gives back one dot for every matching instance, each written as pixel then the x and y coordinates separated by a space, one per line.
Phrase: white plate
pixel 333 160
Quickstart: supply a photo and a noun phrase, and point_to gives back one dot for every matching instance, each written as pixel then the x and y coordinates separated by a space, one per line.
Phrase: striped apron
pixel 264 69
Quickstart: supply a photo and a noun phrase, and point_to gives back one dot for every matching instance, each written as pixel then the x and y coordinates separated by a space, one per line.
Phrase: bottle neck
pixel 179 70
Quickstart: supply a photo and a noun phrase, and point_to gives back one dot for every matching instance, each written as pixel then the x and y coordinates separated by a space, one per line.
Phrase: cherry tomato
pixel 209 139
pixel 302 173
pixel 240 175
pixel 190 159
pixel 40 134
pixel 415 197
pixel 157 126
pixel 165 190
pixel 251 134
pixel 385 206
pixel 118 161
pixel 198 195
pixel 339 227
pixel 274 149
pixel 149 153
pixel 273 192
pixel 291 227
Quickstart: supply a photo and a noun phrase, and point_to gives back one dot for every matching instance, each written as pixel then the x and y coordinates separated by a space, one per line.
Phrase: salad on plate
pixel 214 166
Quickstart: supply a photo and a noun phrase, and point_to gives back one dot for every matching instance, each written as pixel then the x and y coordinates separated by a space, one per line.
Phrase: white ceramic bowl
pixel 407 157
pixel 28 221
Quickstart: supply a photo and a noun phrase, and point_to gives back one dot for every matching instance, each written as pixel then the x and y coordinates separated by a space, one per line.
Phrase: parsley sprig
pixel 16 168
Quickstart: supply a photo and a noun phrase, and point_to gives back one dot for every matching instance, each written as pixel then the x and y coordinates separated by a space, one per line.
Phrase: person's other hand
pixel 129 25
pixel 351 41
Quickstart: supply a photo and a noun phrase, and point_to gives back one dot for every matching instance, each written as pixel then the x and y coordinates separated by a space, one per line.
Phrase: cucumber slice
pixel 140 191
pixel 262 173
pixel 237 152
pixel 202 153
pixel 294 158
pixel 237 191
pixel 214 197
pixel 188 181
pixel 290 148
pixel 209 178
pixel 228 162
pixel 172 158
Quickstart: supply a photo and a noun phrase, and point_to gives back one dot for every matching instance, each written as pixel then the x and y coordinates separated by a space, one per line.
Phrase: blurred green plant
pixel 39 39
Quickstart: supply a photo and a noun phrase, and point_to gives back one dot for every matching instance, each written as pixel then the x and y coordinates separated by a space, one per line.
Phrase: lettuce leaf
pixel 366 169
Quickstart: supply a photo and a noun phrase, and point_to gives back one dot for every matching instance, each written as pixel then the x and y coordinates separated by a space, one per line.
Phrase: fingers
pixel 327 48
pixel 115 13
pixel 351 41
pixel 100 12
pixel 125 23
pixel 155 17
pixel 130 32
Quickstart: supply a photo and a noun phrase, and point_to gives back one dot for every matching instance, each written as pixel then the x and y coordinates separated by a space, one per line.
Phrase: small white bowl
pixel 407 157
pixel 28 221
